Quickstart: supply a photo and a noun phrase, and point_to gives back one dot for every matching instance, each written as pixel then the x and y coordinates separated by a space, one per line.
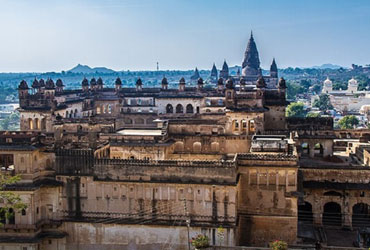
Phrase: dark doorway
pixel 360 215
pixel 305 213
pixel 332 214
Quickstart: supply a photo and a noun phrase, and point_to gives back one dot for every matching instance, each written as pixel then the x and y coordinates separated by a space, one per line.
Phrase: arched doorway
pixel 169 109
pixel 189 109
pixel 305 213
pixel 332 214
pixel 360 215
pixel 179 109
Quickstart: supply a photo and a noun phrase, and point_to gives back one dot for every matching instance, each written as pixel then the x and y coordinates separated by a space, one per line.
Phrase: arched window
pixel 189 109
pixel 208 102
pixel 43 123
pixel 149 121
pixel 197 147
pixel 37 123
pixel 75 114
pixel 139 121
pixel 215 146
pixel 30 123
pixel 169 109
pixel 179 109
pixel 220 102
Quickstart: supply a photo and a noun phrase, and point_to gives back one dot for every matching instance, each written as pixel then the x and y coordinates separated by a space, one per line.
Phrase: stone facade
pixel 136 168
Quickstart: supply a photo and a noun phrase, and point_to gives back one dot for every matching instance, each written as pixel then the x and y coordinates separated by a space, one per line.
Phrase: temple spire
pixel 273 69
pixel 251 62
pixel 224 73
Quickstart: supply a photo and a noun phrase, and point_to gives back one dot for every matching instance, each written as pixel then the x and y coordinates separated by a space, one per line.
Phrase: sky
pixel 56 35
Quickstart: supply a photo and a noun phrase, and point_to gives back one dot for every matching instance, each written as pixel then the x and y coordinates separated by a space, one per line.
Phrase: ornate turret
pixel 42 83
pixel 49 84
pixel 230 83
pixel 352 85
pixel 229 93
pixel 23 93
pixel 261 83
pixel 182 84
pixel 85 85
pixel 49 88
pixel 282 83
pixel 164 83
pixel 35 84
pixel 100 83
pixel 118 84
pixel 93 84
pixel 251 62
pixel 23 85
pixel 214 74
pixel 200 83
pixel 220 84
pixel 327 86
pixel 59 86
pixel 273 69
pixel 224 73
pixel 139 84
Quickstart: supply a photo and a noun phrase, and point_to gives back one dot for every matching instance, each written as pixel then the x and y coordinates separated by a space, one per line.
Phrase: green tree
pixel 295 109
pixel 323 103
pixel 11 202
pixel 348 122
pixel 293 89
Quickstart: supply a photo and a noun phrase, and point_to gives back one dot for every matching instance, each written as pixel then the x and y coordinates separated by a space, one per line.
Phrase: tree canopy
pixel 295 109
pixel 348 122
pixel 323 103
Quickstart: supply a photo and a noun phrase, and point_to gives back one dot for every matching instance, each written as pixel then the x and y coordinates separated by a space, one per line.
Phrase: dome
pixel 42 83
pixel 139 82
pixel 220 81
pixel 261 82
pixel 182 80
pixel 100 81
pixel 50 84
pixel 352 81
pixel 230 83
pixel 118 81
pixel 328 81
pixel 85 82
pixel 35 84
pixel 164 81
pixel 93 81
pixel 23 85
pixel 282 83
pixel 59 83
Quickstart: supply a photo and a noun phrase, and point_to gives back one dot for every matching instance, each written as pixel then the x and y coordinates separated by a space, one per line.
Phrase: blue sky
pixel 55 35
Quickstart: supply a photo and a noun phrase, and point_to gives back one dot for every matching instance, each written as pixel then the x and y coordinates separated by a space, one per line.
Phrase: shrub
pixel 201 241
pixel 279 245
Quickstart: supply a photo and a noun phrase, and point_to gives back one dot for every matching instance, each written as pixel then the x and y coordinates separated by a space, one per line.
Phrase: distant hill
pixel 327 66
pixel 84 69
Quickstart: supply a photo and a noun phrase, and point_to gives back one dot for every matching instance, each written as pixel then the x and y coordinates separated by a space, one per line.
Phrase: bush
pixel 279 245
pixel 201 241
